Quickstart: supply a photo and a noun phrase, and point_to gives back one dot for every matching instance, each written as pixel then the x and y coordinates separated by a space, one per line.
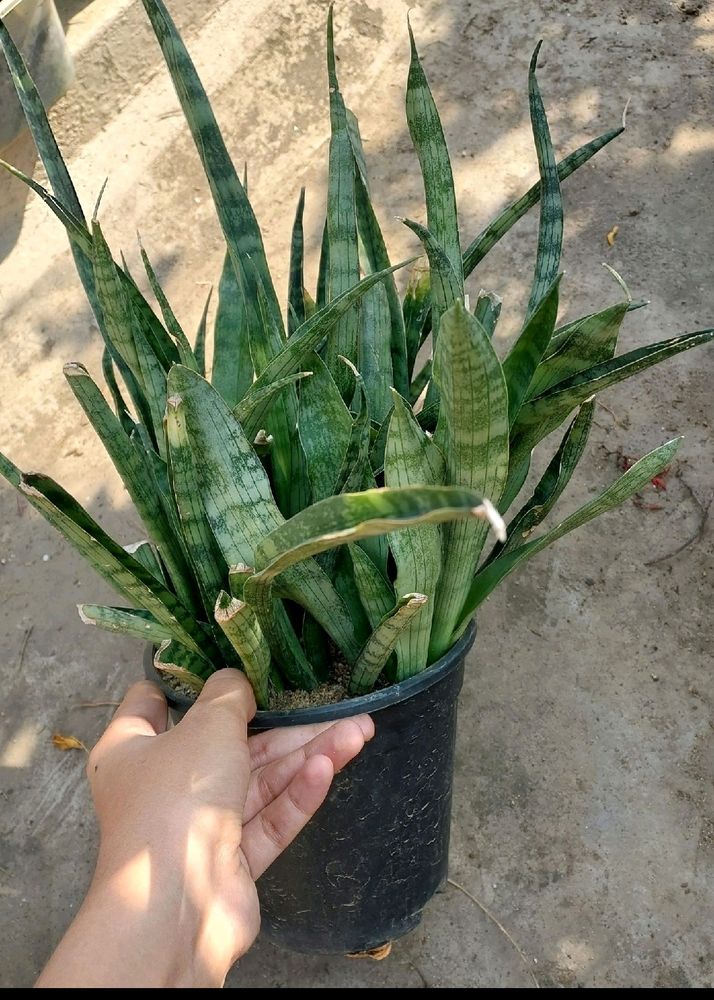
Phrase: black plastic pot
pixel 363 869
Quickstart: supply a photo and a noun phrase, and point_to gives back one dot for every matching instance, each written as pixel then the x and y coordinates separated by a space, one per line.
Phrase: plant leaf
pixel 496 230
pixel 421 381
pixel 343 261
pixel 381 643
pixel 243 631
pixel 589 341
pixel 296 284
pixel 375 592
pixel 199 347
pixel 524 357
pixel 350 517
pixel 246 410
pixel 232 373
pixel 186 355
pixel 550 229
pixel 235 213
pixel 412 459
pixel 177 661
pixel 133 622
pixel 416 309
pixel 472 433
pixel 446 285
pixel 321 407
pixel 430 145
pixel 628 484
pixel 487 311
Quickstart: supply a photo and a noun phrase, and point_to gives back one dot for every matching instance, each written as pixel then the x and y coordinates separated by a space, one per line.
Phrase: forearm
pixel 135 931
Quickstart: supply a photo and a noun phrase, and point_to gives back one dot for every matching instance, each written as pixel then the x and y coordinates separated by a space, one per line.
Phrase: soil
pixel 583 803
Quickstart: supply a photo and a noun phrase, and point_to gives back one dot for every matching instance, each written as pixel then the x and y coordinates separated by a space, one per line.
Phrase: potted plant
pixel 318 510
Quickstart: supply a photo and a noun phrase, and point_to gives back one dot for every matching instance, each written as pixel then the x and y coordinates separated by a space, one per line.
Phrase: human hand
pixel 189 818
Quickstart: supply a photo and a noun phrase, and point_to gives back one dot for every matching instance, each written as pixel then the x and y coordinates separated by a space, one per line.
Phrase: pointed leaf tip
pixel 534 57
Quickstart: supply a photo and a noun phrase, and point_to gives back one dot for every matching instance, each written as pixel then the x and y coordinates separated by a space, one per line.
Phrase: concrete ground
pixel 584 808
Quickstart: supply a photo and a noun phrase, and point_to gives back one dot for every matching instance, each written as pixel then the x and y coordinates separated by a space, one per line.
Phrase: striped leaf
pixel 412 459
pixel 350 517
pixel 185 350
pixel 446 285
pixel 626 486
pixel 232 373
pixel 343 261
pixel 539 416
pixel 251 409
pixel 130 462
pixel 122 410
pixel 377 259
pixel 240 507
pixel 472 433
pixel 323 269
pixel 380 645
pixel 113 563
pixel 430 145
pixel 145 553
pixel 235 213
pixel 589 341
pixel 310 335
pixel 296 283
pixel 550 228
pixel 504 222
pixel 416 309
pixel 421 380
pixel 133 622
pixel 243 631
pixel 552 483
pixel 487 311
pixel 203 553
pixel 199 347
pixel 174 660
pixel 322 406
pixel 375 592
pixel 524 357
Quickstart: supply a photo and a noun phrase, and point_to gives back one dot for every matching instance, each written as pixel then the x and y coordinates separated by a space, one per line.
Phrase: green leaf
pixel 526 354
pixel 232 373
pixel 421 381
pixel 446 285
pixel 245 412
pixel 322 406
pixel 375 592
pixel 10 471
pixel 175 660
pixel 145 553
pixel 550 229
pixel 185 351
pixel 628 484
pixel 239 505
pixel 375 250
pixel 323 269
pixel 243 631
pixel 540 416
pixel 496 230
pixel 343 263
pixel 296 284
pixel 472 433
pixel 118 320
pixel 130 463
pixel 122 410
pixel 416 310
pixel 487 311
pixel 355 465
pixel 412 459
pixel 310 335
pixel 203 552
pixel 430 145
pixel 199 347
pixel 111 561
pixel 350 517
pixel 235 213
pixel 588 341
pixel 552 483
pixel 135 623
pixel 382 642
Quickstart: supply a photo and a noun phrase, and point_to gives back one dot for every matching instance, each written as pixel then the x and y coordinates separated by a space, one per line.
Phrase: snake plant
pixel 325 495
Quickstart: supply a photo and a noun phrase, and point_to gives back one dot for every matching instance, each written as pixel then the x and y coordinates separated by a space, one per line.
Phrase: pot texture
pixel 363 869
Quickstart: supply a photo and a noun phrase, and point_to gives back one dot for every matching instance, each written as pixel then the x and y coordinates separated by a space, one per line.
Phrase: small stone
pixel 45 558
pixel 655 677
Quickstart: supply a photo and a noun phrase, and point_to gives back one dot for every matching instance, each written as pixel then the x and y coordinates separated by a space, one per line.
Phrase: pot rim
pixel 375 701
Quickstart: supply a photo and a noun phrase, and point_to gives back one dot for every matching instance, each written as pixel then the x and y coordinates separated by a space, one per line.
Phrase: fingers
pixel 143 712
pixel 340 743
pixel 277 743
pixel 268 834
pixel 229 689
